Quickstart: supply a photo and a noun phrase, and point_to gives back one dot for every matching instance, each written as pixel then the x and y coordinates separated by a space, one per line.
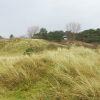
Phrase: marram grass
pixel 62 74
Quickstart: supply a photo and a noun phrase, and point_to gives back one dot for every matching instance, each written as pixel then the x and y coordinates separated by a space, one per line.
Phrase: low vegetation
pixel 40 70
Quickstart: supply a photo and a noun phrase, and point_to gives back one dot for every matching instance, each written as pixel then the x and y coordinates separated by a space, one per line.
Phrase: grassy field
pixel 41 70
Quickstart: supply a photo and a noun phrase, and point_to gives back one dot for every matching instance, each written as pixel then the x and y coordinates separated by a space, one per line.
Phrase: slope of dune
pixel 51 72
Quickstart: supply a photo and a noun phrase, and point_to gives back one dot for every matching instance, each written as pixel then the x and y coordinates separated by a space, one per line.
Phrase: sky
pixel 17 15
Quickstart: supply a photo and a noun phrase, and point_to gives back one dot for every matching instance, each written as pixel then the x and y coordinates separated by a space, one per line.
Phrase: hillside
pixel 42 70
pixel 19 46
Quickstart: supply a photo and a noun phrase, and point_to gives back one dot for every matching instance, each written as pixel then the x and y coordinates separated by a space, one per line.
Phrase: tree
pixel 91 35
pixel 73 28
pixel 11 36
pixel 43 33
pixel 56 35
pixel 32 30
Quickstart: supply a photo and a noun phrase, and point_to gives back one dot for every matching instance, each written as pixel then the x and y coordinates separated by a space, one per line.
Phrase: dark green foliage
pixel 11 36
pixel 52 36
pixel 43 33
pixel 28 51
pixel 56 35
pixel 89 36
pixel 31 50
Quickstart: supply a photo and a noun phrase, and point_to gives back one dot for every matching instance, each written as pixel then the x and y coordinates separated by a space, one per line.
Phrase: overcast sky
pixel 17 15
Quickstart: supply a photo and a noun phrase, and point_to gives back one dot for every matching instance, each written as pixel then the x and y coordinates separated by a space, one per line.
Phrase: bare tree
pixel 73 28
pixel 32 30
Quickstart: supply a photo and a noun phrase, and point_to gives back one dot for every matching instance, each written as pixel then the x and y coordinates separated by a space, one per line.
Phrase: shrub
pixel 32 50
pixel 89 36
pixel 56 35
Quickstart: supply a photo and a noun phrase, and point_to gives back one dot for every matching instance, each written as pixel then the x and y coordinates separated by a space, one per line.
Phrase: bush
pixel 43 33
pixel 28 51
pixel 89 36
pixel 32 50
pixel 56 35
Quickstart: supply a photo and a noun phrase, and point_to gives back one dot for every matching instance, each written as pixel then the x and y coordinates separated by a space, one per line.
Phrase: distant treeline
pixel 91 35
pixel 52 36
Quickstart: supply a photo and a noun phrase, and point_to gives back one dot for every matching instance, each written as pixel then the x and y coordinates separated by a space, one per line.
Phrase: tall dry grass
pixel 63 74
